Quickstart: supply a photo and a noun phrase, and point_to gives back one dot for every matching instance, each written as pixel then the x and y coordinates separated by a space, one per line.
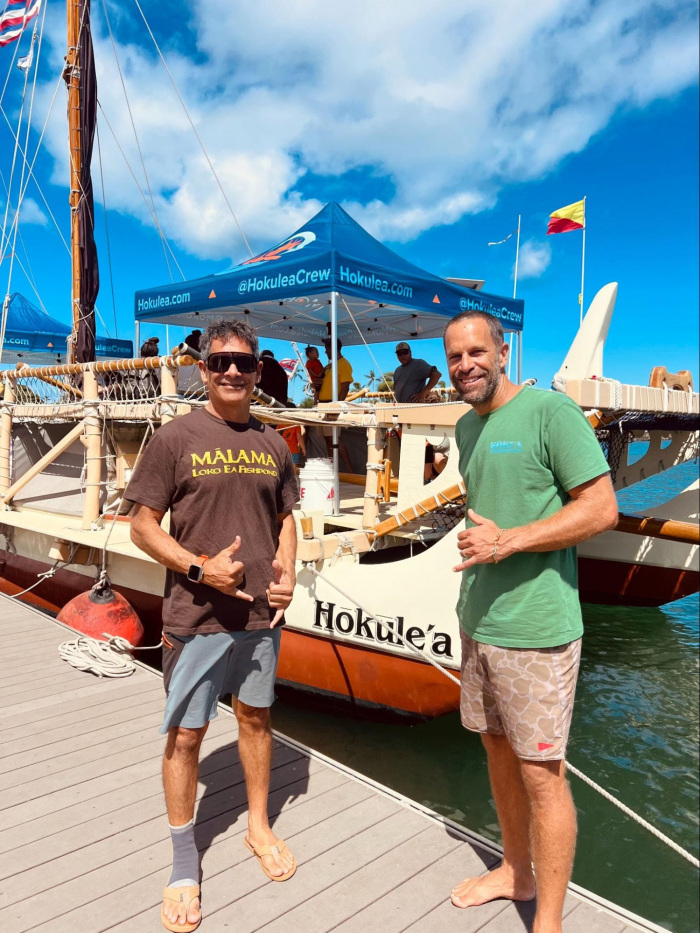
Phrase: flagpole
pixel 334 397
pixel 583 262
pixel 515 291
pixel 517 254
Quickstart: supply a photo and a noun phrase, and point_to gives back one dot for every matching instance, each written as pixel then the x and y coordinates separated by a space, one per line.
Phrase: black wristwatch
pixel 195 573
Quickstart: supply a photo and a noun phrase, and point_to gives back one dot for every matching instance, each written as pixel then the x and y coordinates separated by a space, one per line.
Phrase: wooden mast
pixel 72 76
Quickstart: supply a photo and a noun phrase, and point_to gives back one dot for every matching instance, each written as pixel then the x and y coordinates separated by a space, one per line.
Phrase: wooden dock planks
pixel 84 844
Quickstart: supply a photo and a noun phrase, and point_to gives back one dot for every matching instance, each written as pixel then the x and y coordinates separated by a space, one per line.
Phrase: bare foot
pixel 277 865
pixel 184 912
pixel 497 883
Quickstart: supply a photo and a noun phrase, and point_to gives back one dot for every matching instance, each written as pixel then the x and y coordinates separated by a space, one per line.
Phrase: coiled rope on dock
pixel 108 658
pixel 688 856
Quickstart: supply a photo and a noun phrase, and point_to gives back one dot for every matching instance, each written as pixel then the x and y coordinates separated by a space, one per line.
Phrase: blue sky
pixel 434 129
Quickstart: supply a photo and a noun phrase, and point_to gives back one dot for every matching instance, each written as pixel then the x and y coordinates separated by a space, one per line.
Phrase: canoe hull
pixel 360 677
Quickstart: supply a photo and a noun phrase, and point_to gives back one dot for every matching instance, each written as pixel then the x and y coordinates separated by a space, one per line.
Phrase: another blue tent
pixel 286 292
pixel 34 337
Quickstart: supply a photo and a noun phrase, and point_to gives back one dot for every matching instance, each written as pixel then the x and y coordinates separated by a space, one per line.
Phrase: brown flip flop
pixel 183 895
pixel 276 850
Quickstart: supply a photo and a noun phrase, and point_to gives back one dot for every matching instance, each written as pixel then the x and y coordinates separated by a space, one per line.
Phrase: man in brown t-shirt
pixel 229 484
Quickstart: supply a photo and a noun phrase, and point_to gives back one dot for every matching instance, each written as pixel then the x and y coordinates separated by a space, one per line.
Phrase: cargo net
pixel 448 517
pixel 614 437
pixel 190 385
pixel 48 399
pixel 142 386
pixel 129 385
pixel 60 397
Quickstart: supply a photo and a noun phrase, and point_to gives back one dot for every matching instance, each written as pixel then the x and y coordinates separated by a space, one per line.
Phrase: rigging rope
pixel 138 144
pixel 29 275
pixel 104 211
pixel 36 153
pixel 194 129
pixel 138 185
pixel 38 30
pixel 9 72
pixel 5 235
pixel 579 774
pixel 362 337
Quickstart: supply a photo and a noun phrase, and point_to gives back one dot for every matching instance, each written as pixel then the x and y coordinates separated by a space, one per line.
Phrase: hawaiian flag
pixel 571 217
pixel 15 17
pixel 289 366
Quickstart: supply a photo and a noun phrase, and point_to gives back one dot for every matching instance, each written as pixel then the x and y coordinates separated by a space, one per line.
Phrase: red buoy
pixel 102 610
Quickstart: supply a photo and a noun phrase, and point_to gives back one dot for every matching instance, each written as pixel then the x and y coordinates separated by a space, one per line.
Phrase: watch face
pixel 195 573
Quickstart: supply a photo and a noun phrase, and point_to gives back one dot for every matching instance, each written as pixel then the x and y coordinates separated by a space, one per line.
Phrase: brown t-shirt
pixel 219 479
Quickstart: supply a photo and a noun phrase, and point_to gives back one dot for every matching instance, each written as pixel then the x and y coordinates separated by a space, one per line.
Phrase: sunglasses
pixel 402 352
pixel 221 362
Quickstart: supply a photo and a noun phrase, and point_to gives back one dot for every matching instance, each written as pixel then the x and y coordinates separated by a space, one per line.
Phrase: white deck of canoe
pixel 84 845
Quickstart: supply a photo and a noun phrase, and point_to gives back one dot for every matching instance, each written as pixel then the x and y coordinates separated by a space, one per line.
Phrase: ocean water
pixel 635 732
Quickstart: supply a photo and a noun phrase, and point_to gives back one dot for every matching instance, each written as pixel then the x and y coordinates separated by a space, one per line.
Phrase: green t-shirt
pixel 518 463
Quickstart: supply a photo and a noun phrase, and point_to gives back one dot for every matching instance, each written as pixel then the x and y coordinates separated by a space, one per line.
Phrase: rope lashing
pixel 579 774
pixel 345 543
pixel 47 574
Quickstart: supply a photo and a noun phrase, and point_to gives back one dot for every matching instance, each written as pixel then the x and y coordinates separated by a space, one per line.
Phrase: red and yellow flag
pixel 571 217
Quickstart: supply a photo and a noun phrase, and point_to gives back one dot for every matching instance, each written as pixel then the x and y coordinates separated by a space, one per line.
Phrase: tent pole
pixel 334 396
pixel 8 398
pixel 520 357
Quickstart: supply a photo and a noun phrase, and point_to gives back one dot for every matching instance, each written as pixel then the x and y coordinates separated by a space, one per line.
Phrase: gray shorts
pixel 199 669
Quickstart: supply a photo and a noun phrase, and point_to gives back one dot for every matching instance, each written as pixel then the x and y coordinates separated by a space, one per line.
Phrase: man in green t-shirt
pixel 537 485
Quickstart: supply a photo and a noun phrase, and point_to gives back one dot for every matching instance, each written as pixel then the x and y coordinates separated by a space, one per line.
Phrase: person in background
pixel 436 456
pixel 314 367
pixel 149 347
pixel 273 379
pixel 413 379
pixel 192 339
pixel 189 379
pixel 325 394
pixel 149 379
pixel 293 435
pixel 538 485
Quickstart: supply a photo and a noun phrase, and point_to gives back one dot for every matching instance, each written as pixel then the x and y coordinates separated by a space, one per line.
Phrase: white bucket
pixel 316 485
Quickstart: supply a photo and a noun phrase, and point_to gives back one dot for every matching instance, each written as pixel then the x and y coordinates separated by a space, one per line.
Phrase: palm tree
pixel 371 378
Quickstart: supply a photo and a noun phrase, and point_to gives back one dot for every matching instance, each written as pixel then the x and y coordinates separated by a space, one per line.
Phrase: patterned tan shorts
pixel 526 694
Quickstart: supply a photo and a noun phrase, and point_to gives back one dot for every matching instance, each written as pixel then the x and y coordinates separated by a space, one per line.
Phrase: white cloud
pixel 446 104
pixel 31 213
pixel 534 259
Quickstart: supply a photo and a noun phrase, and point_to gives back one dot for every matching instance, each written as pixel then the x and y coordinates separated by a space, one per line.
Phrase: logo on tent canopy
pixel 290 245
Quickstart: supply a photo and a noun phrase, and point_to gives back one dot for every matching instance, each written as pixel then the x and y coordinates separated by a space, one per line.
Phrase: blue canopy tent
pixel 329 272
pixel 34 337
pixel 329 278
